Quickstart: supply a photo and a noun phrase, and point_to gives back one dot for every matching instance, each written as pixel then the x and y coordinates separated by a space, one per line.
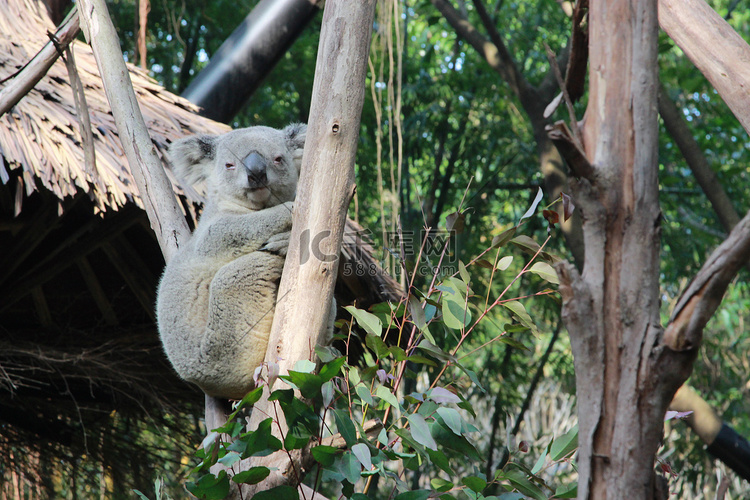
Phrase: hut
pixel 82 373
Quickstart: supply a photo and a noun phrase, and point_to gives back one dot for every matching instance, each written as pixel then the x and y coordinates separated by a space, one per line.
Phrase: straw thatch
pixel 40 138
pixel 80 361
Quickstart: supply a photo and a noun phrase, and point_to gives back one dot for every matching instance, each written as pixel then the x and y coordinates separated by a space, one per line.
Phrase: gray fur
pixel 217 295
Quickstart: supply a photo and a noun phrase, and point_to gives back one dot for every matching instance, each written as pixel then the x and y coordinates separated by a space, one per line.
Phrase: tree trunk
pixel 154 186
pixel 625 377
pixel 325 188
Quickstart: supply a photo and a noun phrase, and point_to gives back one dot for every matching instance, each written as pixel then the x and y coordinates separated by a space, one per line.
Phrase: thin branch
pixel 704 293
pixel 675 124
pixel 497 56
pixel 37 67
pixel 84 119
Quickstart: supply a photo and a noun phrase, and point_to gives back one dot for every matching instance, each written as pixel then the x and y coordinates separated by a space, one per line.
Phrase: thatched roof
pixel 40 138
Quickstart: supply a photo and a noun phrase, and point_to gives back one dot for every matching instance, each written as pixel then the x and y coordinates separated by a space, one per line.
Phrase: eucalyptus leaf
pixel 366 320
pixel 420 431
pixel 545 271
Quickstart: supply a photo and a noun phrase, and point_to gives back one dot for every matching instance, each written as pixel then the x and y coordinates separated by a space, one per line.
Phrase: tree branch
pixel 698 30
pixel 36 68
pixel 696 160
pixel 704 293
pixel 153 185
pixel 495 52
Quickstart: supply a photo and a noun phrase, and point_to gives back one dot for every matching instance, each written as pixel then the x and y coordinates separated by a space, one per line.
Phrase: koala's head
pixel 253 168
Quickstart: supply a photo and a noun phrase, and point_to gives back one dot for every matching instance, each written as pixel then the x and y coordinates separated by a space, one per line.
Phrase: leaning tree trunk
pixel 325 188
pixel 625 378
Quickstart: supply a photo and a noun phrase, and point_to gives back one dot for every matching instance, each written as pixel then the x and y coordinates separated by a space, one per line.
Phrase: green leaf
pixel 283 492
pixel 345 427
pixel 377 345
pixel 533 206
pixel 386 395
pixel 545 271
pixel 397 353
pixel 564 445
pixel 519 311
pixel 504 263
pixel 366 320
pixel 448 440
pixel 324 455
pixel 506 339
pixel 451 418
pixel 540 461
pixel 250 398
pixel 229 459
pixel 364 394
pixel 350 467
pixel 442 395
pixel 258 443
pixel 362 452
pixel 417 313
pixel 420 431
pixel 210 487
pixel 439 459
pixel 331 369
pixel 567 491
pixel 463 272
pixel 456 314
pixel 503 238
pixel 526 244
pixel 440 484
pixel 253 475
pixel 141 495
pixel 476 484
pixel 308 384
pixel 416 358
pixel 327 393
pixel 414 495
pixel 522 483
pixel 304 366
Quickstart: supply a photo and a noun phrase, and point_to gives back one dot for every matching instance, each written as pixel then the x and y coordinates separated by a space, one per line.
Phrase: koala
pixel 217 295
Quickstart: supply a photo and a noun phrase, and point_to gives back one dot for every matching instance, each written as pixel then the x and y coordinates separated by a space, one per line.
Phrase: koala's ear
pixel 295 140
pixel 193 157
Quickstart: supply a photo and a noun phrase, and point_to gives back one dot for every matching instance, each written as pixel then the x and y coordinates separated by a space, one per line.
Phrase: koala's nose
pixel 256 168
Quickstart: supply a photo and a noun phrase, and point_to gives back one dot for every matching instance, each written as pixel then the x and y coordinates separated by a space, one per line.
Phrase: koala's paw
pixel 277 244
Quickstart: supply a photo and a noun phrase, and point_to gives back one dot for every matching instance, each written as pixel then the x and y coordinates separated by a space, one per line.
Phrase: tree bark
pixel 325 188
pixel 715 49
pixel 154 186
pixel 625 378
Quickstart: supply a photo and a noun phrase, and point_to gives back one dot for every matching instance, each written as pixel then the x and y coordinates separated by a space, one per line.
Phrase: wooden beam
pixel 135 273
pixel 97 293
pixel 67 254
pixel 41 307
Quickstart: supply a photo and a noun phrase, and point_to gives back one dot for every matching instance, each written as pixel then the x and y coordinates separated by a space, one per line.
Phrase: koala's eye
pixel 229 166
pixel 278 160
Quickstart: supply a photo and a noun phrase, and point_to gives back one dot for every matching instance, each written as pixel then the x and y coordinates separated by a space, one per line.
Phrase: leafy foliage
pixel 419 442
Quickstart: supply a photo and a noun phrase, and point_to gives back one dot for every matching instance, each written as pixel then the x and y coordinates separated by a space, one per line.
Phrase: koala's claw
pixel 277 244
